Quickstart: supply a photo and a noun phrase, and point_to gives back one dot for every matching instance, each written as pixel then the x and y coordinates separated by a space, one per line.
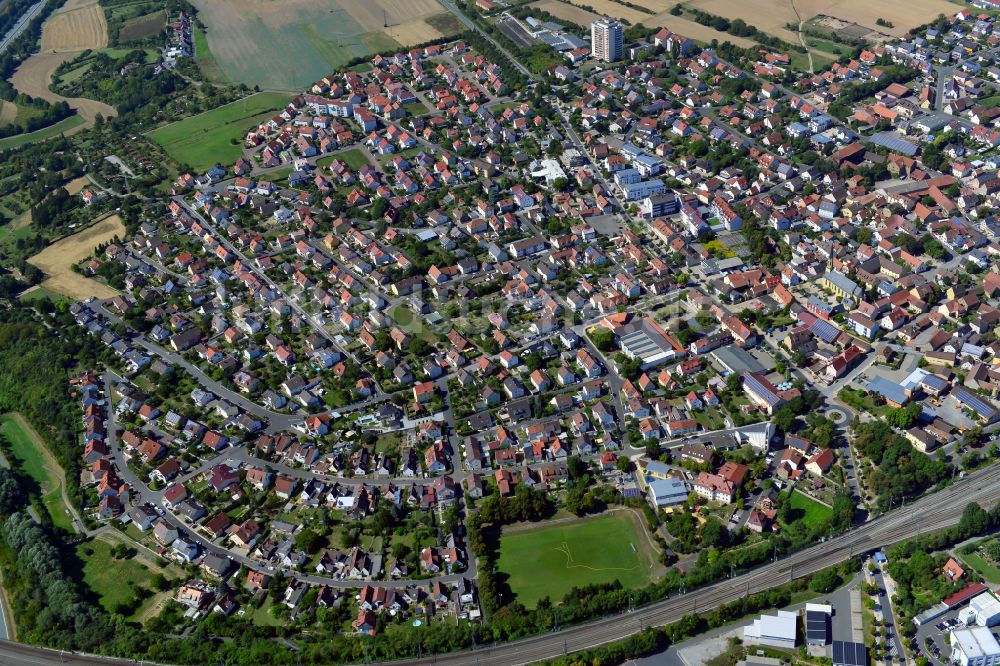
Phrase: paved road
pixel 936 511
pixel 21 24
pixel 290 300
pixel 277 421
pixel 942 509
pixel 190 530
pixel 464 19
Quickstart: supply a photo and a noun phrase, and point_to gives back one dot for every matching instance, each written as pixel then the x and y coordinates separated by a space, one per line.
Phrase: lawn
pixel 41 293
pixel 808 509
pixel 30 455
pixel 201 141
pixel 113 581
pixel 989 572
pixel 550 561
pixel 262 616
pixel 353 158
pixel 63 125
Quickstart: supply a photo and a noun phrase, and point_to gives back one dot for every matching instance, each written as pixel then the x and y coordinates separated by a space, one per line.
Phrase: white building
pixel 773 630
pixel 606 39
pixel 974 646
pixel 758 436
pixel 986 608
pixel 643 189
pixel 548 169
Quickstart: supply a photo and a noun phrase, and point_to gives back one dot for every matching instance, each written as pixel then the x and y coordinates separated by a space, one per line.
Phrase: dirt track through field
pixel 56 259
pixel 77 26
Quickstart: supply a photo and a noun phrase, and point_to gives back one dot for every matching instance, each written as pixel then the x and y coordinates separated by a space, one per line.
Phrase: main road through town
pixel 933 512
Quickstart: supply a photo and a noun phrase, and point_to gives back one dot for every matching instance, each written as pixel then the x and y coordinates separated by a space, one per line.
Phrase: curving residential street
pixel 937 511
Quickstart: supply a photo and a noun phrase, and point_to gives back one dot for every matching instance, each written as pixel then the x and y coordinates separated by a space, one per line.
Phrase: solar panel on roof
pixel 824 330
pixel 816 627
pixel 849 654
pixel 974 402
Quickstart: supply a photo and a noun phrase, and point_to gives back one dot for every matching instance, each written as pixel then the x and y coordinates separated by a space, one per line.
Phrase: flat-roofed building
pixel 987 609
pixel 974 646
pixel 644 340
pixel 773 630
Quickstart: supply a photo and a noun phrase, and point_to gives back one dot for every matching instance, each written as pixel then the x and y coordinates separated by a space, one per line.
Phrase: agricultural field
pixel 409 21
pixel 281 46
pixel 566 12
pixel 33 77
pixel 694 30
pixel 8 112
pixel 141 27
pixel 612 9
pixel 56 260
pixel 78 25
pixel 771 16
pixel 286 46
pixel 201 141
pixel 547 561
pixel 65 126
pixel 206 60
pixel 33 457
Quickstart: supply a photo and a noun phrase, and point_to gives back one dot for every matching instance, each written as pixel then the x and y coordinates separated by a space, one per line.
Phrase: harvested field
pixel 772 15
pixel 655 6
pixel 612 9
pixel 77 185
pixel 56 259
pixel 78 25
pixel 8 112
pixel 141 27
pixel 693 30
pixel 405 18
pixel 33 78
pixel 566 11
pixel 412 32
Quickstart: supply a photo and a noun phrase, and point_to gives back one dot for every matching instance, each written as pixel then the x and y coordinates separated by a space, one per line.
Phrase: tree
pixel 904 417
pixel 308 540
pixel 971 437
pixel 974 520
pixel 714 534
pixel 576 467
pixel 159 582
pixel 603 339
pixel 824 581
pixel 623 464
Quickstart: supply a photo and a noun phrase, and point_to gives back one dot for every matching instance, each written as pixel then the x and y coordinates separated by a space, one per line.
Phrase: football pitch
pixel 549 561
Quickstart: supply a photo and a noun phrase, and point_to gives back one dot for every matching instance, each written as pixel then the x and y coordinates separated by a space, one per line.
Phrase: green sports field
pixel 201 141
pixel 550 561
